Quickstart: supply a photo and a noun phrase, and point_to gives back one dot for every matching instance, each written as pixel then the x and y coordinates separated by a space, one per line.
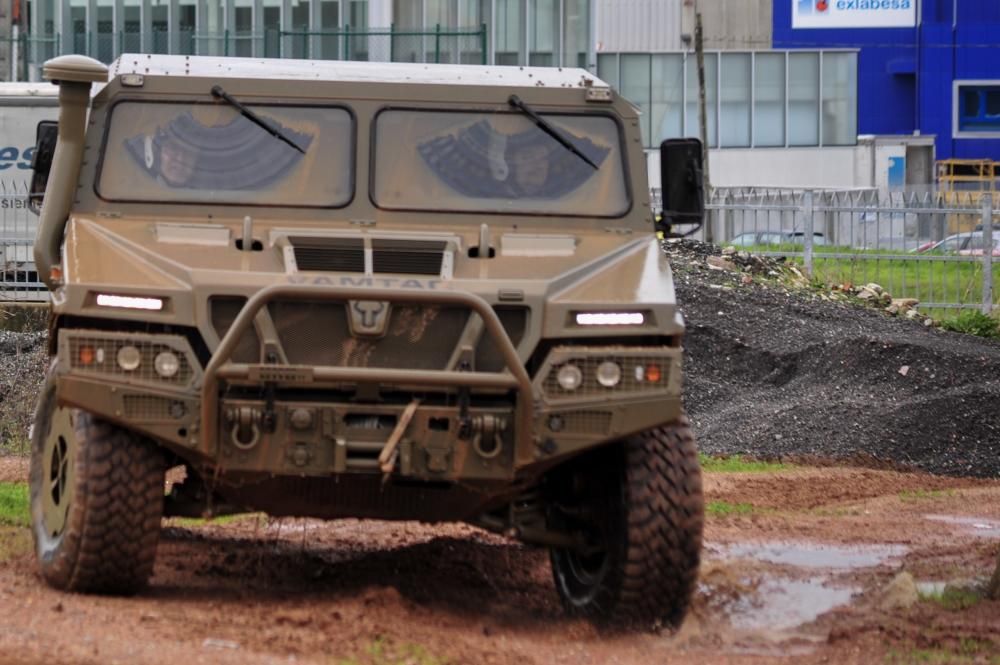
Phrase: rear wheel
pixel 96 500
pixel 640 505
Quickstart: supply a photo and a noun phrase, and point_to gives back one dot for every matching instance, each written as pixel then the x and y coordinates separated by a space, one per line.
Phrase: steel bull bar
pixel 514 377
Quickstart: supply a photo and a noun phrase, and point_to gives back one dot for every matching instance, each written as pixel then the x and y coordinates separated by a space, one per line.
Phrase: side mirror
pixel 682 184
pixel 46 135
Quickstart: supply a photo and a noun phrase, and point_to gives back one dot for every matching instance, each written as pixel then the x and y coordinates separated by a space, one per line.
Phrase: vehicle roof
pixel 352 72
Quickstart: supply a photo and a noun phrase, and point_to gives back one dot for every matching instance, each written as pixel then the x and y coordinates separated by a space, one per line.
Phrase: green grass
pixel 973 322
pixel 903 277
pixel 738 464
pixel 384 651
pixel 14 509
pixel 968 650
pixel 725 509
pixel 953 598
pixel 917 495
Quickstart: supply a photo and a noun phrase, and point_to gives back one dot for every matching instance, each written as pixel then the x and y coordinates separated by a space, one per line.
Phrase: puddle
pixel 815 555
pixel 976 526
pixel 781 604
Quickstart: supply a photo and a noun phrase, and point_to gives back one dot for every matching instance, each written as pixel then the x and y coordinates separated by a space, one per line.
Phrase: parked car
pixel 755 238
pixel 969 243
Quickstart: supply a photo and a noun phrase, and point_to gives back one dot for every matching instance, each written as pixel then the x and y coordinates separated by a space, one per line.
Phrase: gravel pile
pixel 775 369
pixel 23 359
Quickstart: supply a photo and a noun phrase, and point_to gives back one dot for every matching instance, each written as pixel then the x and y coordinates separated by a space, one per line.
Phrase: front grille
pixel 317 333
pixel 408 257
pixel 329 254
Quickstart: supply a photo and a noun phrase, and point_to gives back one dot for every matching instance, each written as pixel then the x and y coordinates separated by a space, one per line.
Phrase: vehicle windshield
pixel 210 153
pixel 497 162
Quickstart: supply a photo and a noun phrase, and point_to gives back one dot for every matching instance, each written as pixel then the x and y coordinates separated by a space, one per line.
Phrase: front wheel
pixel 640 505
pixel 96 500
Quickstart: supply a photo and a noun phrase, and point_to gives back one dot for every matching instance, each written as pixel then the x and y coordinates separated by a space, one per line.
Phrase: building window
pixel 978 109
pixel 754 99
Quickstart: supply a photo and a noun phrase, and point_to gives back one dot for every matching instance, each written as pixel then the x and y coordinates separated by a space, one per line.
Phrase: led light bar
pixel 129 302
pixel 610 318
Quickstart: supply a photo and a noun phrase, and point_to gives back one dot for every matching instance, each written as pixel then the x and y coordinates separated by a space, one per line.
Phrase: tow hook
pixel 245 422
pixel 487 430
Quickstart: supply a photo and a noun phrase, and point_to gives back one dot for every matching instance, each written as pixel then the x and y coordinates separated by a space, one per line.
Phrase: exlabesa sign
pixel 854 13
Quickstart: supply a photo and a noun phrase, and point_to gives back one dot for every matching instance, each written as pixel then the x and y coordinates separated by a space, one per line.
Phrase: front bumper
pixel 283 419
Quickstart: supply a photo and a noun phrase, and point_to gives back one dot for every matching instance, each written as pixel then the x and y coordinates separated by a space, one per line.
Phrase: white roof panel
pixel 339 70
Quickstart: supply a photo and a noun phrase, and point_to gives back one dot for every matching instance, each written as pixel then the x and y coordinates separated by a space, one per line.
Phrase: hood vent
pixel 380 256
pixel 407 257
pixel 329 254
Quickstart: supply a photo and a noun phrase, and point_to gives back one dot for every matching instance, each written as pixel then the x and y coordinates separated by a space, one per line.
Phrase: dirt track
pixel 796 544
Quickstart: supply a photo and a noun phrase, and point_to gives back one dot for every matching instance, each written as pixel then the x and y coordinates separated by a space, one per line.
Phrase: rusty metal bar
pixel 217 367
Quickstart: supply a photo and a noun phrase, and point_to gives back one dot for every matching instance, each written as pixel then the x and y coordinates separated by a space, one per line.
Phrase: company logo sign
pixel 854 13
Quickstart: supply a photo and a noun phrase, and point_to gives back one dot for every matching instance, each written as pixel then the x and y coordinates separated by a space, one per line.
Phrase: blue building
pixel 924 66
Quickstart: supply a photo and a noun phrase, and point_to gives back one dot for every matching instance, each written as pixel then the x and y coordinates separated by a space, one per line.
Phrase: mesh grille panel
pixel 224 311
pixel 147 407
pixel 105 353
pixel 317 333
pixel 586 422
pixel 629 383
pixel 416 257
pixel 329 254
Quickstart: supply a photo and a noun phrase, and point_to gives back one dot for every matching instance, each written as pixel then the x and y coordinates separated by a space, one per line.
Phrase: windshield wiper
pixel 219 93
pixel 544 125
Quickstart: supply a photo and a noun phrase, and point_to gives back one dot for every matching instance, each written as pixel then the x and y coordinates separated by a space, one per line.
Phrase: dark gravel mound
pixel 775 371
pixel 23 360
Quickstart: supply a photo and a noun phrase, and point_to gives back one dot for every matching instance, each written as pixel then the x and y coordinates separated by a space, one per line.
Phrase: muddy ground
pixel 796 566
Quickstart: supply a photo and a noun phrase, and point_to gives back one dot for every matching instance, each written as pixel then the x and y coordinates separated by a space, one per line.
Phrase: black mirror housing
pixel 46 135
pixel 682 186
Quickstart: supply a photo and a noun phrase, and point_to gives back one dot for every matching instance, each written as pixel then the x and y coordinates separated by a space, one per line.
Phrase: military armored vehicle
pixel 390 291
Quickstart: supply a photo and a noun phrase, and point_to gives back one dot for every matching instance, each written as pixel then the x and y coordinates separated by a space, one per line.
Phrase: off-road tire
pixel 645 496
pixel 112 501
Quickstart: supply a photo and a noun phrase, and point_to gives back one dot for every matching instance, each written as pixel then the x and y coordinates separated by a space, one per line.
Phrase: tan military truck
pixel 388 291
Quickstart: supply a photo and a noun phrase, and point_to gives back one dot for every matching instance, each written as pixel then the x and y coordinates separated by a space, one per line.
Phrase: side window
pixel 978 108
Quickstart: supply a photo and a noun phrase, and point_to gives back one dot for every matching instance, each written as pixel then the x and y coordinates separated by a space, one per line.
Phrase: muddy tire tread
pixel 112 530
pixel 665 519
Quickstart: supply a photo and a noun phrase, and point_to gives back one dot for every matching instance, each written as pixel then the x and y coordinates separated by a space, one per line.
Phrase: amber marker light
pixel 653 374
pixel 87 355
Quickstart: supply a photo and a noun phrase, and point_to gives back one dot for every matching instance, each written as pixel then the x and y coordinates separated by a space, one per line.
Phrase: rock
pixel 928 322
pixel 904 370
pixel 746 279
pixel 874 288
pixel 721 263
pixel 912 314
pixel 900 593
pixel 728 251
pixel 892 309
pixel 867 294
pixel 905 303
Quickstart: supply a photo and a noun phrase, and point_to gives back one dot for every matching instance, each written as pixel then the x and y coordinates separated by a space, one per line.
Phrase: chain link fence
pixel 940 248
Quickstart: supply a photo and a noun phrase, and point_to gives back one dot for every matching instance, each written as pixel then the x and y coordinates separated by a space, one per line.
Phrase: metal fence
pixel 941 248
pixel 462 46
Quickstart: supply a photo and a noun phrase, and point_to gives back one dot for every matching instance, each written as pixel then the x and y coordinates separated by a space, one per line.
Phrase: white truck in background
pixel 22 106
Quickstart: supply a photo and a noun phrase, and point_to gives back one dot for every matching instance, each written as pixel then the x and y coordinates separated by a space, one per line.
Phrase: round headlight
pixel 609 374
pixel 129 358
pixel 569 377
pixel 166 364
